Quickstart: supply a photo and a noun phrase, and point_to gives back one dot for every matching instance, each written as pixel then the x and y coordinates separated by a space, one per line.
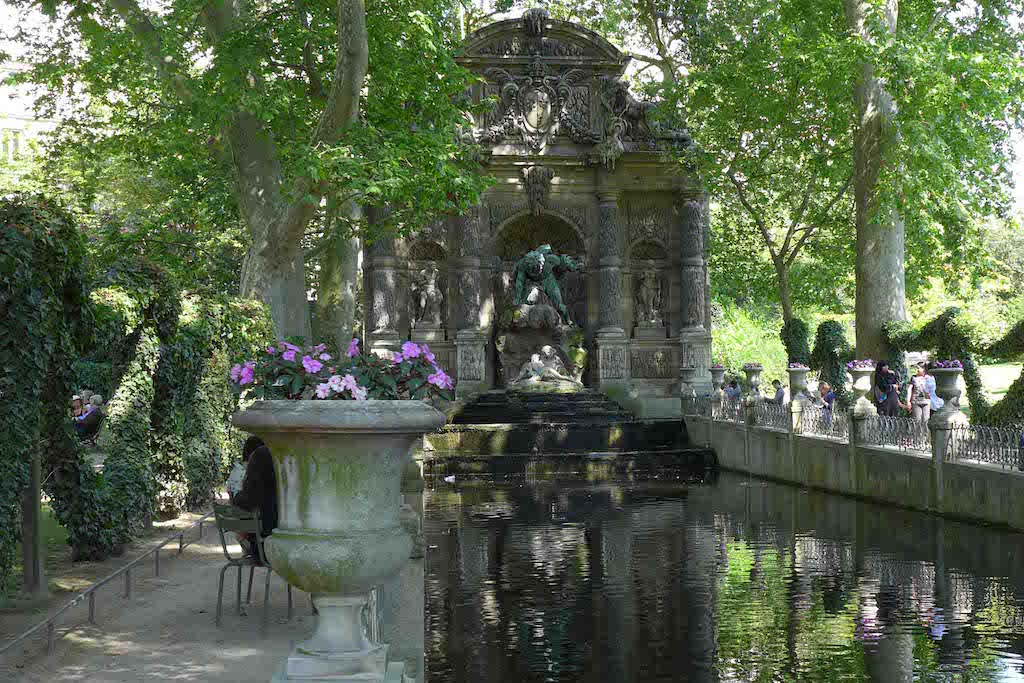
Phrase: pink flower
pixel 323 390
pixel 288 355
pixel 440 379
pixel 311 364
pixel 246 375
pixel 331 370
pixel 236 372
pixel 349 382
pixel 319 348
pixel 325 356
pixel 397 359
pixel 291 347
pixel 431 358
pixel 353 348
pixel 336 384
pixel 410 350
pixel 359 394
pixel 271 350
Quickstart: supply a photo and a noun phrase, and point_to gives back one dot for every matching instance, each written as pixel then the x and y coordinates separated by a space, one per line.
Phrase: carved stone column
pixel 694 338
pixel 612 345
pixel 383 337
pixel 471 336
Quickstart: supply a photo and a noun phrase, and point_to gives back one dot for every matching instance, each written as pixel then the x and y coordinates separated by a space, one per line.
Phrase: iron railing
pixel 50 622
pixel 772 415
pixel 904 433
pixel 731 410
pixel 991 445
pixel 699 407
pixel 822 421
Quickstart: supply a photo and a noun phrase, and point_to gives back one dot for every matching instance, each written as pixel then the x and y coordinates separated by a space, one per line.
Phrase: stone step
pixel 594 465
pixel 580 436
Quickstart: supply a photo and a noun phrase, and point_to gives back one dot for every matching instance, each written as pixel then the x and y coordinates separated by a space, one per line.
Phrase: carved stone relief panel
pixel 612 364
pixel 654 362
pixel 471 362
pixel 649 219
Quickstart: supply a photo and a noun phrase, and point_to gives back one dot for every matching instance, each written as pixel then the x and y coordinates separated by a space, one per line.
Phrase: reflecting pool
pixel 710 578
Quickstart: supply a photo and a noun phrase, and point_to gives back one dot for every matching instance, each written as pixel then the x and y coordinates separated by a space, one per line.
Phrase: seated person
pixel 237 476
pixel 88 422
pixel 76 405
pixel 259 490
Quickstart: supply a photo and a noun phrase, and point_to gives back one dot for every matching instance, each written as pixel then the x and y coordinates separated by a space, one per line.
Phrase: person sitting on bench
pixel 88 422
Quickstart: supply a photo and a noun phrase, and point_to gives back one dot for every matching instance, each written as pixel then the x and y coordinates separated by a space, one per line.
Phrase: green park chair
pixel 231 519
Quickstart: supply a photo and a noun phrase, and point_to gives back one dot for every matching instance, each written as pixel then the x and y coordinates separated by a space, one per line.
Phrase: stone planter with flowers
pixel 340 434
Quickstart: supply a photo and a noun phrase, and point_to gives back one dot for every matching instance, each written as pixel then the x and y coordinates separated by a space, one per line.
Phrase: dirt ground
pixel 166 631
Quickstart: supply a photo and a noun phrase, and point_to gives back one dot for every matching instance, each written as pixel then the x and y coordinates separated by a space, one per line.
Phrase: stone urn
pixel 687 376
pixel 339 467
pixel 717 379
pixel 797 384
pixel 863 405
pixel 753 373
pixel 947 388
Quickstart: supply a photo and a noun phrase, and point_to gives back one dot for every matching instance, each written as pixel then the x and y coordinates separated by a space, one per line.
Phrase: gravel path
pixel 166 631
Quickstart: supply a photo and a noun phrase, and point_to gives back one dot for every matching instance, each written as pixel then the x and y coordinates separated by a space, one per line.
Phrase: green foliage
pixel 794 336
pixel 831 353
pixel 42 314
pixel 953 336
pixel 741 336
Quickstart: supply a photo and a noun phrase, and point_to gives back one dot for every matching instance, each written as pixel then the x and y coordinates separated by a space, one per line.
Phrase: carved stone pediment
pixel 535 34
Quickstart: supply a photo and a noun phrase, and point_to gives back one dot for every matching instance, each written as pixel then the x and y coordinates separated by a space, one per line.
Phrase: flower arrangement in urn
pixel 753 366
pixel 866 364
pixel 798 366
pixel 292 372
pixel 339 432
pixel 948 365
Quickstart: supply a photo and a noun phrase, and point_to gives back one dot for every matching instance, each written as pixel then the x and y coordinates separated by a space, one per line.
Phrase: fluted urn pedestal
pixel 339 473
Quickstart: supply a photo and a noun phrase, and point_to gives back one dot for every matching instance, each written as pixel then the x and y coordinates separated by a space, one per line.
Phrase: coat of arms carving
pixel 538 105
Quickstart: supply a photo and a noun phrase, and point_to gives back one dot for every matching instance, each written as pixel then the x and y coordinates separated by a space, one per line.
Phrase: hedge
pixel 829 358
pixel 951 336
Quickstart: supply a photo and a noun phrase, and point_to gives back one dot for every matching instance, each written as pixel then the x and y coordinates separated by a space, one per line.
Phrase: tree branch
pixel 152 45
pixel 316 86
pixel 812 229
pixel 753 214
pixel 798 217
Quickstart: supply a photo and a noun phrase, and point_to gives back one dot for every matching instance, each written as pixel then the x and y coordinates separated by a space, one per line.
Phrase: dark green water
pixel 710 579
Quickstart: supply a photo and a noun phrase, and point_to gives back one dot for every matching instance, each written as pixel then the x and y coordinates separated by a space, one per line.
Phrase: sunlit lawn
pixel 55 540
pixel 996 379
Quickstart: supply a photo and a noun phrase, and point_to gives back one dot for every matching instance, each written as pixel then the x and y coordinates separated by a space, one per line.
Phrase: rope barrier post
pixel 92 607
pixel 181 542
pixel 51 638
pixel 156 562
pixel 128 583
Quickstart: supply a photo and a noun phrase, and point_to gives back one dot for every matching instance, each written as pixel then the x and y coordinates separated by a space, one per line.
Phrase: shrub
pixel 741 336
pixel 794 336
pixel 831 353
pixel 42 317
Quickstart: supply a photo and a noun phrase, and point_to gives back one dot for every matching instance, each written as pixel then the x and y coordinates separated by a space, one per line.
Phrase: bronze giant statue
pixel 541 268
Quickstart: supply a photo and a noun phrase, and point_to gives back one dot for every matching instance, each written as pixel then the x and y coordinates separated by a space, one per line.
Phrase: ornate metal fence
pixel 772 415
pixel 992 445
pixel 821 421
pixel 904 433
pixel 731 410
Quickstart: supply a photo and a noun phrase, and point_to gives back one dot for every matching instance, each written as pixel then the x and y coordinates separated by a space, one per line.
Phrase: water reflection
pixel 734 580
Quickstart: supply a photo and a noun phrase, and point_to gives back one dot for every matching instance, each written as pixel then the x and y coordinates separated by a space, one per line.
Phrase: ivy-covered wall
pixel 42 318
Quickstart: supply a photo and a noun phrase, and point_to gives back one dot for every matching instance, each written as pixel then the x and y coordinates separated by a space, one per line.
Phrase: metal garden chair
pixel 230 519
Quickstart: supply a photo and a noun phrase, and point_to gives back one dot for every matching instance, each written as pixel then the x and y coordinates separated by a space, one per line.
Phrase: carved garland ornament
pixel 537 183
pixel 539 105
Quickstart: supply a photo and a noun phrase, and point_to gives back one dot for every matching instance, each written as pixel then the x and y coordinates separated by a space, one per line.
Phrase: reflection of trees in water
pixel 569 583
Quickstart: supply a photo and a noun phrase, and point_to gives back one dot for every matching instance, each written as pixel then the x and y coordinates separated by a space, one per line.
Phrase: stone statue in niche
pixel 648 299
pixel 428 297
pixel 545 371
pixel 539 271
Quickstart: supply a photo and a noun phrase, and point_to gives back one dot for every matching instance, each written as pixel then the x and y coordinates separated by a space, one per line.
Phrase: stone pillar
pixel 612 345
pixel 382 337
pixel 694 337
pixel 471 336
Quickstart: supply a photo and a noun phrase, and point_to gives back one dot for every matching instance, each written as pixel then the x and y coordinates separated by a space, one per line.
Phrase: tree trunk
pixel 881 288
pixel 785 293
pixel 32 550
pixel 339 269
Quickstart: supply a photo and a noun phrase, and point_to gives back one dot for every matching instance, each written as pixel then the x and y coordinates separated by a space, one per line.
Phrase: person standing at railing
pixel 887 391
pixel 936 401
pixel 828 399
pixel 780 393
pixel 919 401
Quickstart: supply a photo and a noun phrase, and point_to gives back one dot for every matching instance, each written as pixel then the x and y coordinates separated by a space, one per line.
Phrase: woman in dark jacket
pixel 259 489
pixel 885 381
